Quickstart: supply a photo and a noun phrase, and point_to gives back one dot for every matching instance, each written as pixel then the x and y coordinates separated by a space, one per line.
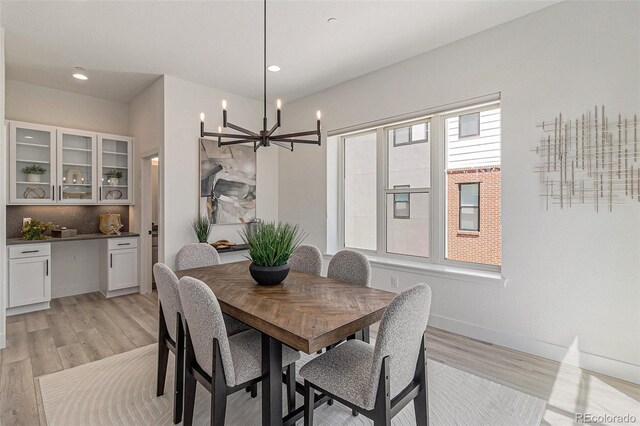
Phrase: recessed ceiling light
pixel 332 20
pixel 80 74
pixel 273 68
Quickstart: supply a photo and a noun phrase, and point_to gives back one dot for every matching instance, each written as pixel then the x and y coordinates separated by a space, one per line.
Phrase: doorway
pixel 150 218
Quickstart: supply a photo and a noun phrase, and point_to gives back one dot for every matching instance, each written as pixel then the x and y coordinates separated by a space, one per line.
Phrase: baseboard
pixel 571 355
pixel 73 290
pixel 28 308
pixel 121 292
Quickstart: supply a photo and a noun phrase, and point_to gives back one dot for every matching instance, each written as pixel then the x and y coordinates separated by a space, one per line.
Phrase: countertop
pixel 79 237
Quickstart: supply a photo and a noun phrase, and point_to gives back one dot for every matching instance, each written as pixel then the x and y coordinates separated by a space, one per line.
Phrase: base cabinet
pixel 29 278
pixel 119 266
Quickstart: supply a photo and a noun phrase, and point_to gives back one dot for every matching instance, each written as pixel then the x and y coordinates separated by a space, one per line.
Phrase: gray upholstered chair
pixel 196 255
pixel 351 267
pixel 222 364
pixel 378 380
pixel 199 255
pixel 307 259
pixel 170 334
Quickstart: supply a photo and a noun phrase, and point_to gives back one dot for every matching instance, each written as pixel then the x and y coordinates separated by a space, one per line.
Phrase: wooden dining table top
pixel 306 312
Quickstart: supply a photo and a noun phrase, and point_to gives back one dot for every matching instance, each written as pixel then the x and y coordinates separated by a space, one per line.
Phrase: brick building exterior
pixel 481 246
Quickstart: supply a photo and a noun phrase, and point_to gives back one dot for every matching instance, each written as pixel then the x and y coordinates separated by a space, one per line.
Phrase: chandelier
pixel 266 136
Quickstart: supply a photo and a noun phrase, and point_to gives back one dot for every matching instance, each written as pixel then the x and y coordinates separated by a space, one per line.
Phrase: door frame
pixel 145 217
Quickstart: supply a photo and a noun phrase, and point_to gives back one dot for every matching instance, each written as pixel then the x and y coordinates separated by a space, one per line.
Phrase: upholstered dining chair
pixel 351 267
pixel 378 380
pixel 222 364
pixel 307 259
pixel 199 255
pixel 170 335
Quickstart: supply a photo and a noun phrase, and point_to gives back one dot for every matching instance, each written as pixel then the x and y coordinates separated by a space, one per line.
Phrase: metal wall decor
pixel 266 136
pixel 592 159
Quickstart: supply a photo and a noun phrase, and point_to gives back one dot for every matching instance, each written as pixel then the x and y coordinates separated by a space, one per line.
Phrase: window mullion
pixel 381 181
pixel 438 194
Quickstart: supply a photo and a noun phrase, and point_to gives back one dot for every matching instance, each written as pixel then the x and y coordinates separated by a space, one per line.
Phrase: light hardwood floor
pixel 85 328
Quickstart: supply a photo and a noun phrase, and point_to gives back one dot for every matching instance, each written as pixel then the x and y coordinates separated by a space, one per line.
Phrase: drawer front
pixel 122 243
pixel 29 250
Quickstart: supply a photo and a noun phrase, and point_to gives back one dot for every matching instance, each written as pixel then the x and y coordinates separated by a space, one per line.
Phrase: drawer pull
pixel 30 251
pixel 47 263
pixel 111 260
pixel 124 244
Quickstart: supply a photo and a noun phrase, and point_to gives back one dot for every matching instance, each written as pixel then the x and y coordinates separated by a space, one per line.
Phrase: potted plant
pixel 202 227
pixel 113 176
pixel 34 173
pixel 34 230
pixel 270 245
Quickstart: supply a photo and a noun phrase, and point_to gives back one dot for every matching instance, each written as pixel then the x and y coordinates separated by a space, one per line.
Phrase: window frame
pixel 437 191
pixel 410 127
pixel 460 206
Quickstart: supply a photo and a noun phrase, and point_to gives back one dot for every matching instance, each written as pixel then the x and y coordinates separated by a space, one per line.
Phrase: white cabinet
pixel 115 166
pixel 50 165
pixel 29 278
pixel 76 167
pixel 119 266
pixel 32 159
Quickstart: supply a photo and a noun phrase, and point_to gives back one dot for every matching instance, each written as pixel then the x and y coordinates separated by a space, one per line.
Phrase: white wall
pixel 573 275
pixel 42 105
pixel 76 265
pixel 184 101
pixel 3 201
pixel 146 122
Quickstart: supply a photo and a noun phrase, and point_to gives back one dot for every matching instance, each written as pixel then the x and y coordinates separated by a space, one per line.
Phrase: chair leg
pixel 309 403
pixel 421 401
pixel 382 409
pixel 291 387
pixel 189 397
pixel 163 360
pixel 218 405
pixel 254 390
pixel 365 335
pixel 178 384
pixel 163 352
pixel 354 413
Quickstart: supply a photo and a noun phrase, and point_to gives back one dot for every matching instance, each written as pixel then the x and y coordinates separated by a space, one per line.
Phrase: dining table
pixel 305 312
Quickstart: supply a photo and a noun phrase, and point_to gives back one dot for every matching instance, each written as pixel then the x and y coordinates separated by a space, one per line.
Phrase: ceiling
pixel 125 46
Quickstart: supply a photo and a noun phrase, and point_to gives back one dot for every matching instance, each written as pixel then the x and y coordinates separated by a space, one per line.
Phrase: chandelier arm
pixel 273 129
pixel 312 142
pixel 228 135
pixel 298 134
pixel 236 142
pixel 241 129
pixel 278 144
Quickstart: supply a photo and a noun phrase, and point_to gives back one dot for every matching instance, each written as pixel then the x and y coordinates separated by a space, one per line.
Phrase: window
pixel 469 207
pixel 360 191
pixel 469 125
pixel 472 177
pixel 401 204
pixel 397 176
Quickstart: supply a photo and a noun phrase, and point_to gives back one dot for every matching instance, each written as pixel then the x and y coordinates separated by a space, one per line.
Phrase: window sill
pixel 467 275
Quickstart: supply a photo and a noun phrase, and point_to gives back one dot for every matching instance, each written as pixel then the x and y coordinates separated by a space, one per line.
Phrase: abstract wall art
pixel 591 159
pixel 227 183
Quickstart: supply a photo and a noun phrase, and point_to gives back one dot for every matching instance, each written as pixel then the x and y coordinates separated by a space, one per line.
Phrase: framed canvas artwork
pixel 227 183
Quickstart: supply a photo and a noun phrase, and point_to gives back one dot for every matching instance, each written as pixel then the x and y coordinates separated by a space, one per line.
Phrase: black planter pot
pixel 269 275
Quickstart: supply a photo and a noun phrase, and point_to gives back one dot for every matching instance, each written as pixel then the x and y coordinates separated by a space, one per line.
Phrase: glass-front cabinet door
pixel 115 168
pixel 76 167
pixel 32 168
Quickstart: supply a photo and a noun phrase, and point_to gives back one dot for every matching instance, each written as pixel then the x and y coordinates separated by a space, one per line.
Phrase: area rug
pixel 120 390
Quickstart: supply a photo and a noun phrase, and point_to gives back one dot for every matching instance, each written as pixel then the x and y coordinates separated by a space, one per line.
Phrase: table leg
pixel 272 381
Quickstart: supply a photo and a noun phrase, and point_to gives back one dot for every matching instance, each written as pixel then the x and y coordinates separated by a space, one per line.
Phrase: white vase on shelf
pixel 34 178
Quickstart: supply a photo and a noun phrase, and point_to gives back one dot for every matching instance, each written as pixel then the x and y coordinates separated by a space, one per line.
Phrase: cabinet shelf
pixel 76 164
pixel 20 160
pixel 76 149
pixel 115 153
pixel 33 183
pixel 114 167
pixel 115 186
pixel 35 145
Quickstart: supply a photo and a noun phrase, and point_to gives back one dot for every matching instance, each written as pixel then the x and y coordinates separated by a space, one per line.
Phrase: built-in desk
pixel 57 267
